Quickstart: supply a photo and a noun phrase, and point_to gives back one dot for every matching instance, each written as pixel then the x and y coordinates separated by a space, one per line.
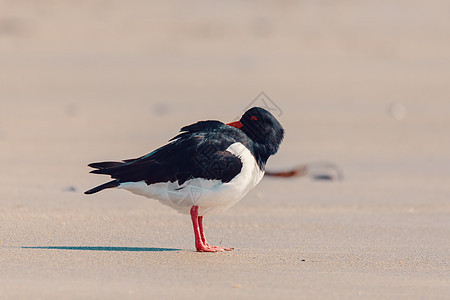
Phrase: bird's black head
pixel 264 130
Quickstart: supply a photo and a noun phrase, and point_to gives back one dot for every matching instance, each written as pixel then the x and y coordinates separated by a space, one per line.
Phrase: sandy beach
pixel 362 85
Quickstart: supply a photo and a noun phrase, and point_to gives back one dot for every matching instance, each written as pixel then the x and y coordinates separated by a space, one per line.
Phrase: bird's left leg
pixel 203 238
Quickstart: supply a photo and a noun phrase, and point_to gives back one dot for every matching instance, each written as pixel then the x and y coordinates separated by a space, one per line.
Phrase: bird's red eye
pixel 253 118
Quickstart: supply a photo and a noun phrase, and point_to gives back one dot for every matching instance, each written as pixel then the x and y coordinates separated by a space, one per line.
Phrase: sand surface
pixel 363 85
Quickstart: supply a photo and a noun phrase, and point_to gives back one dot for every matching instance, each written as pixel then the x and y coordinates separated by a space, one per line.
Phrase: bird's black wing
pixel 197 152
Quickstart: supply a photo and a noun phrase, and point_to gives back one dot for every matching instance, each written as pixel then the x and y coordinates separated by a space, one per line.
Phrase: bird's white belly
pixel 209 195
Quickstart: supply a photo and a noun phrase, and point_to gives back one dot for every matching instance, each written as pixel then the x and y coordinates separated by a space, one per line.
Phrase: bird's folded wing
pixel 194 153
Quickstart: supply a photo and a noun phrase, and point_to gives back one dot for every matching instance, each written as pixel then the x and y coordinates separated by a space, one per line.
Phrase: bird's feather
pixel 197 152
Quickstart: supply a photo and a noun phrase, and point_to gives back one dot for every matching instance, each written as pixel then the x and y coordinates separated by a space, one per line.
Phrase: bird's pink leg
pixel 199 244
pixel 200 241
pixel 202 233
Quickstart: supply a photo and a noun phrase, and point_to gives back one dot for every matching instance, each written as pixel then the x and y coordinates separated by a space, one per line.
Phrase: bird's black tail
pixel 106 164
pixel 108 185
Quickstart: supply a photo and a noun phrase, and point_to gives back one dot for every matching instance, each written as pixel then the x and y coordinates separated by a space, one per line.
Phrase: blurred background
pixel 363 84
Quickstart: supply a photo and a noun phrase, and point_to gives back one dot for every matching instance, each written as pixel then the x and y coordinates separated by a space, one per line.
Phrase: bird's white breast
pixel 209 195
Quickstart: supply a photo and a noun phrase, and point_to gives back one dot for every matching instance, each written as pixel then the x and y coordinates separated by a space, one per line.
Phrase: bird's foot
pixel 208 248
pixel 222 248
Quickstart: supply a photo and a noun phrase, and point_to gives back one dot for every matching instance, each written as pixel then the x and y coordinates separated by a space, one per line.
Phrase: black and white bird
pixel 207 168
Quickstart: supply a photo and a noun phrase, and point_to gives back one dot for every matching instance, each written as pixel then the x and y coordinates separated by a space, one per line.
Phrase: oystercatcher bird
pixel 206 168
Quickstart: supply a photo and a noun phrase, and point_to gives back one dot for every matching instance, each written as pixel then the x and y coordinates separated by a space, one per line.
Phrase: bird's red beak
pixel 236 124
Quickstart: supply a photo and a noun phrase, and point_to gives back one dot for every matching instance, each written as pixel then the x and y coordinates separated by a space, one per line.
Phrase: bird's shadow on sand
pixel 104 248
